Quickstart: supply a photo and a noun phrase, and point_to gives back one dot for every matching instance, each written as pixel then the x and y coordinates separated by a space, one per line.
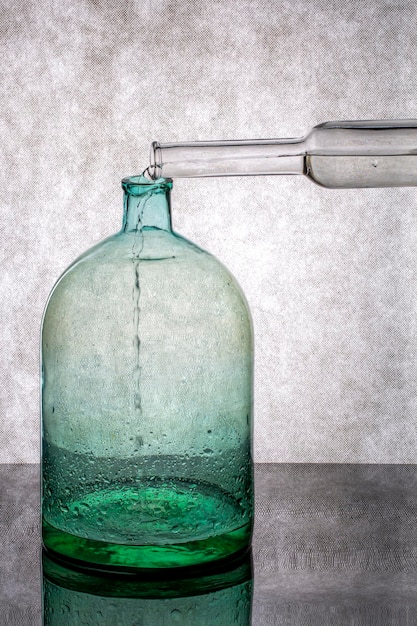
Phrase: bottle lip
pixel 138 185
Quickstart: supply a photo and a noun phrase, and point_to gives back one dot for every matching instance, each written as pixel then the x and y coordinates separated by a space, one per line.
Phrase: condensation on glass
pixel 333 154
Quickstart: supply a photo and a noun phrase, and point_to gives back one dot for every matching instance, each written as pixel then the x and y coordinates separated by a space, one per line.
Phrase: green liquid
pixel 156 524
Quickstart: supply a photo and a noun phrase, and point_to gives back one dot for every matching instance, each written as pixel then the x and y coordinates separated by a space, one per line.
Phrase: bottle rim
pixel 139 184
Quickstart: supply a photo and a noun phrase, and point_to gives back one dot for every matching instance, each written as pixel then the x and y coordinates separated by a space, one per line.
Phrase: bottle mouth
pixel 155 158
pixel 140 184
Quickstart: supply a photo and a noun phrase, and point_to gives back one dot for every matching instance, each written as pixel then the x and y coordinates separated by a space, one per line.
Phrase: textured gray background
pixel 331 276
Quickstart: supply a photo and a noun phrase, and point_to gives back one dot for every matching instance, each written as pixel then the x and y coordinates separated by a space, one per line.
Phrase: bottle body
pixel 147 406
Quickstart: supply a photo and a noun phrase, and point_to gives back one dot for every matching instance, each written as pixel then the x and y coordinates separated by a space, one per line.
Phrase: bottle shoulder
pixel 151 244
pixel 162 256
pixel 172 278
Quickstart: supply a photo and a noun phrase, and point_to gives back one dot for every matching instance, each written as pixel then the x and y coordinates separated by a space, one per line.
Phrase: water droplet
pixel 374 163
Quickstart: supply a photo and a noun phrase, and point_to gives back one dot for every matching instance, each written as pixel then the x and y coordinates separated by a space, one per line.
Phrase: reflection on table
pixel 218 596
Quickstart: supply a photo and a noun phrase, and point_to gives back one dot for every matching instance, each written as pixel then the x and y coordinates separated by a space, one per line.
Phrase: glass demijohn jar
pixel 147 366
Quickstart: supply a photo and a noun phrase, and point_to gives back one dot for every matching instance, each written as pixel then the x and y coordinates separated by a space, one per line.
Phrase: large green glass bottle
pixel 147 363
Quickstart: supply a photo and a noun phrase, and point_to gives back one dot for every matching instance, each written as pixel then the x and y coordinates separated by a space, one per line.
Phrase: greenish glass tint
pixel 147 367
pixel 74 597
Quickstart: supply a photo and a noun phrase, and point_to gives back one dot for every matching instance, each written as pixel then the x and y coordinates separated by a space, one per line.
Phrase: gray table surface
pixel 333 544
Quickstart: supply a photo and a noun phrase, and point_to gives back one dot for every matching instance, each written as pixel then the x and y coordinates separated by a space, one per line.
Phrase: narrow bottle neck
pixel 228 158
pixel 146 204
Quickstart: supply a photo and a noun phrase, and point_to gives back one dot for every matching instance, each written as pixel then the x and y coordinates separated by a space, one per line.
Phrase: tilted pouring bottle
pixel 376 153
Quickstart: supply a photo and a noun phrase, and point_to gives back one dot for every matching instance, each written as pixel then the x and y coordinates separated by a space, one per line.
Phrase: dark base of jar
pixel 157 584
pixel 191 556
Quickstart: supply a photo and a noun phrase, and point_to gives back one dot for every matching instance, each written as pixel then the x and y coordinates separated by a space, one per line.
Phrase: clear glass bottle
pixel 147 367
pixel 374 153
pixel 78 598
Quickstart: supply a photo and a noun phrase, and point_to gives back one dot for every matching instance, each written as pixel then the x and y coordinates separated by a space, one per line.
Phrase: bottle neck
pixel 228 158
pixel 146 204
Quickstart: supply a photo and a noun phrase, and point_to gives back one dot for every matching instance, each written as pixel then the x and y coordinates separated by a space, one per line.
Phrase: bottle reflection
pixel 73 597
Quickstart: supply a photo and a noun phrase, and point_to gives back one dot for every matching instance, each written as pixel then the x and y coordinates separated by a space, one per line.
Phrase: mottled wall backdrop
pixel 331 276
